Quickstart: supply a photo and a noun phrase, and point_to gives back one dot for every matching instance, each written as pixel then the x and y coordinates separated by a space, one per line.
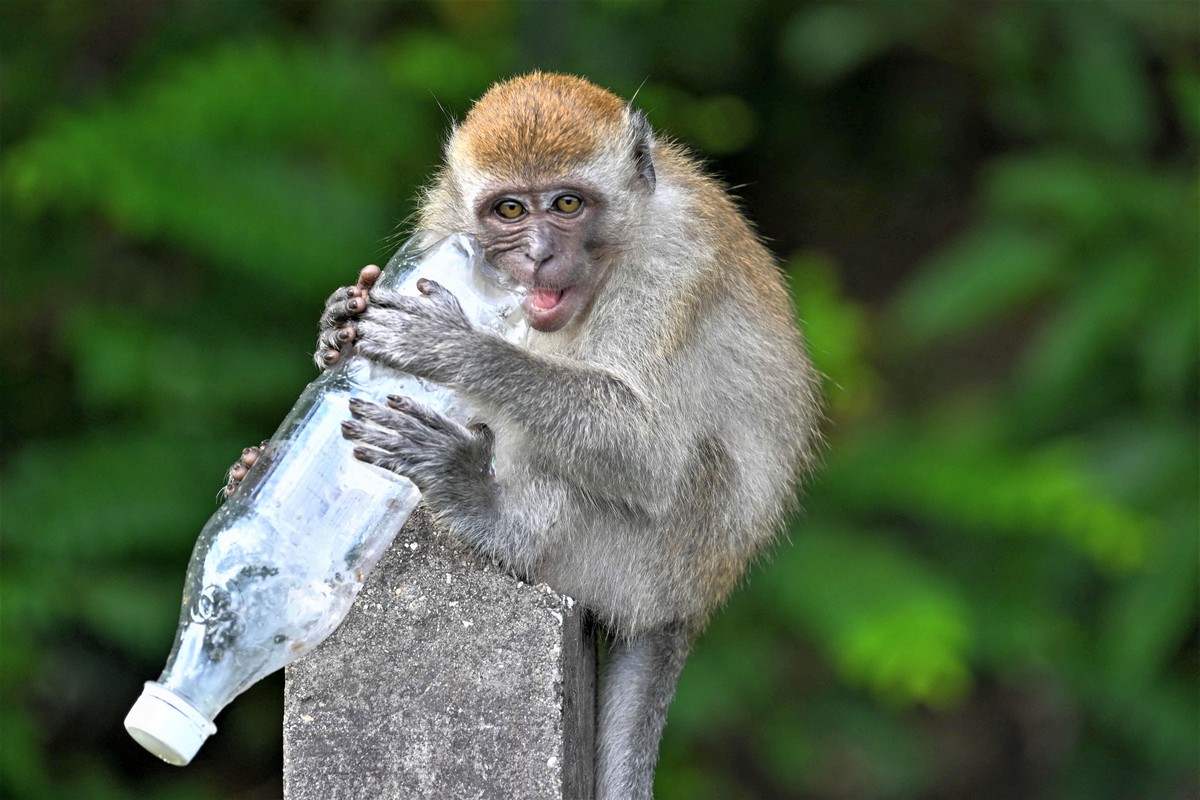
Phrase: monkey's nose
pixel 538 258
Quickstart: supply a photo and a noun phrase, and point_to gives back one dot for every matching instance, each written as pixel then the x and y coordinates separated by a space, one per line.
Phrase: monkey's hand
pixel 337 322
pixel 423 336
pixel 443 458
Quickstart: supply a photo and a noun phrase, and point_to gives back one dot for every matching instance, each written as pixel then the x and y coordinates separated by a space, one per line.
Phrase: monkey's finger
pixel 389 298
pixel 328 358
pixel 400 464
pixel 335 311
pixel 435 291
pixel 429 287
pixel 393 440
pixel 378 438
pixel 381 458
pixel 426 415
pixel 395 430
pixel 336 338
pixel 367 276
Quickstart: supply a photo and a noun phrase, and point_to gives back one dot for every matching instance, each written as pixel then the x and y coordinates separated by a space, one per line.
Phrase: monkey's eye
pixel 509 209
pixel 568 203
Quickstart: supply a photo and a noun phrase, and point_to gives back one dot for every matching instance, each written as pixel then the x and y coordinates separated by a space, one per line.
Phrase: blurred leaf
pixel 1013 47
pixel 954 476
pixel 837 332
pixel 110 495
pixel 1186 85
pixel 988 273
pixel 134 610
pixel 269 94
pixel 1156 724
pixel 22 772
pixel 1169 344
pixel 428 63
pixel 722 124
pixel 750 662
pixel 1055 189
pixel 714 125
pixel 1100 81
pixel 28 610
pixel 886 620
pixel 1100 316
pixel 867 745
pixel 1093 200
pixel 216 156
pixel 182 379
pixel 1153 611
pixel 247 211
pixel 823 43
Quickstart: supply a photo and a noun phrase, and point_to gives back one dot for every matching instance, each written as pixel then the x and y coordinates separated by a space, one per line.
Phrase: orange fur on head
pixel 539 124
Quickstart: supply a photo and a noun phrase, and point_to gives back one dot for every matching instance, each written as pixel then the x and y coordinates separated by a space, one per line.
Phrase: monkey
pixel 648 440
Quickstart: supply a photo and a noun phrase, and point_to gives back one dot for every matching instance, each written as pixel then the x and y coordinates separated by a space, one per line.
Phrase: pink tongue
pixel 546 298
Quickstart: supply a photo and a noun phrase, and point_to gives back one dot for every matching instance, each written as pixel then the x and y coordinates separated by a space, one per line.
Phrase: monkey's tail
pixel 638 683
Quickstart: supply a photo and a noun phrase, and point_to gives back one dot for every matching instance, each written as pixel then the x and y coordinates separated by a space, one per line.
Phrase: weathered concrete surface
pixel 449 679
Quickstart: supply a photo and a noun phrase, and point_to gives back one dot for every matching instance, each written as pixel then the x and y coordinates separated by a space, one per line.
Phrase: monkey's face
pixel 546 239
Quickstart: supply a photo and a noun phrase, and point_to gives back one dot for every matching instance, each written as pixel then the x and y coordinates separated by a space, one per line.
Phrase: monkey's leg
pixel 635 691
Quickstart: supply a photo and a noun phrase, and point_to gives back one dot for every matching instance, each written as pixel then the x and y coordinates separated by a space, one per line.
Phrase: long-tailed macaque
pixel 649 437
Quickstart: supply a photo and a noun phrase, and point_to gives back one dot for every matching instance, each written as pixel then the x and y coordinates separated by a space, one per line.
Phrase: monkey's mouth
pixel 548 309
pixel 545 299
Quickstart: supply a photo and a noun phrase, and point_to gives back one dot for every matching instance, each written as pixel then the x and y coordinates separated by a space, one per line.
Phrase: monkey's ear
pixel 642 138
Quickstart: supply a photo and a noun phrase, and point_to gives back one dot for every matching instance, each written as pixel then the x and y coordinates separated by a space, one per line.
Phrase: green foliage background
pixel 988 213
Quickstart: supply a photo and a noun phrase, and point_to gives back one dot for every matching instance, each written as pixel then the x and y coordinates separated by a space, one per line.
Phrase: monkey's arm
pixel 589 424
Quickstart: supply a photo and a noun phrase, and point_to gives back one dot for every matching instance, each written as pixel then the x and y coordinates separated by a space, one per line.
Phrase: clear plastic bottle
pixel 276 569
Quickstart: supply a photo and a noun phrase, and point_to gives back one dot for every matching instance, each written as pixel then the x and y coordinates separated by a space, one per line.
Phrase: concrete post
pixel 449 679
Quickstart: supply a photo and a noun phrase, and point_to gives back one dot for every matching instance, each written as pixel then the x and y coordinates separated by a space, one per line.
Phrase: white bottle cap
pixel 168 725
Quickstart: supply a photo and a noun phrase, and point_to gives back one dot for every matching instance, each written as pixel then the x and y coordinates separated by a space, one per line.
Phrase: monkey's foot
pixel 242 466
